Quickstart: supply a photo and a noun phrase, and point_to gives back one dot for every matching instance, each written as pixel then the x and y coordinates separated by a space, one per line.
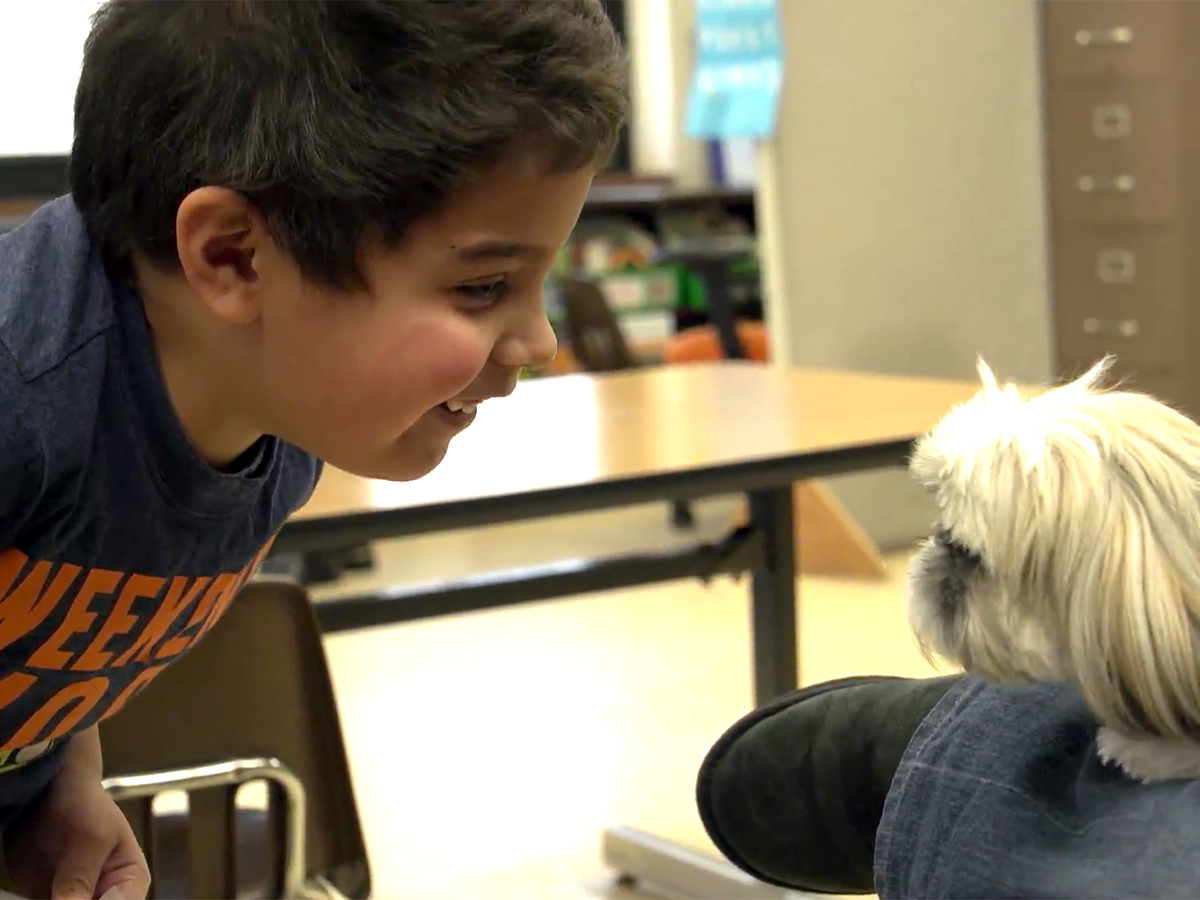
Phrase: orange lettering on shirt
pixel 139 681
pixel 13 685
pixel 28 604
pixel 82 695
pixel 119 621
pixel 242 577
pixel 216 591
pixel 170 609
pixel 12 561
pixel 78 620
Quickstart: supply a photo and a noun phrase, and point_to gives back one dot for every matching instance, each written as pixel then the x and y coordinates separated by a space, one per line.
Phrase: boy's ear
pixel 220 238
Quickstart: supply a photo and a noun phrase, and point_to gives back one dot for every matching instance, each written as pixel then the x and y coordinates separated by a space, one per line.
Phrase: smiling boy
pixel 297 232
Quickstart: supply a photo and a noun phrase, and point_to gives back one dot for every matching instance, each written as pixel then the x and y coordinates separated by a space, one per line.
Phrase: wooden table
pixel 586 442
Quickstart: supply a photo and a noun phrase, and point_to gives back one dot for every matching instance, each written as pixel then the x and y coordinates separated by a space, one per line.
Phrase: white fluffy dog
pixel 1068 548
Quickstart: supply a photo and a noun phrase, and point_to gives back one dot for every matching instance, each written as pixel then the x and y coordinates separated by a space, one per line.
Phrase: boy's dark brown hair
pixel 330 117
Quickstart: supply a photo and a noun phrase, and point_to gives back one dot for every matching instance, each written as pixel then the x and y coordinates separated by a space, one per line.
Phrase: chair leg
pixel 661 867
pixel 320 888
pixel 319 566
pixel 682 517
pixel 359 558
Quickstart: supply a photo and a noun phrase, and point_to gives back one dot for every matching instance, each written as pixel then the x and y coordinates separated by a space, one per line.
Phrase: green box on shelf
pixel 691 288
pixel 630 290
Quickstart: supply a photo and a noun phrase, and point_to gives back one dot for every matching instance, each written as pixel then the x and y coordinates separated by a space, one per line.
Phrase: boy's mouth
pixel 459 407
pixel 456 414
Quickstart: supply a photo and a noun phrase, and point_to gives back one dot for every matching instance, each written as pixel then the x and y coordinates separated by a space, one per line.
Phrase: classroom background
pixel 523 658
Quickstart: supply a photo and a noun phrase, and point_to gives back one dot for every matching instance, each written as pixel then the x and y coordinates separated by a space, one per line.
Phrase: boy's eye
pixel 484 293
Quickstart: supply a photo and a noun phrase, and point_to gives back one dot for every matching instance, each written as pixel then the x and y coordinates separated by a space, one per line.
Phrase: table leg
pixel 773 595
pixel 679 871
pixel 664 868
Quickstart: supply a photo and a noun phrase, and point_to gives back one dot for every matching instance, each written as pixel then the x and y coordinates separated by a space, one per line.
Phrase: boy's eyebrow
pixel 489 250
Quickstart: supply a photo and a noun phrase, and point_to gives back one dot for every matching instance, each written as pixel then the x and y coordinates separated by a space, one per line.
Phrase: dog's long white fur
pixel 1083 503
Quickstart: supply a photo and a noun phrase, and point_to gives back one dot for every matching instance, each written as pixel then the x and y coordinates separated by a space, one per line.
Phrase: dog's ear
pixel 985 375
pixel 991 386
pixel 1093 379
pixel 1128 564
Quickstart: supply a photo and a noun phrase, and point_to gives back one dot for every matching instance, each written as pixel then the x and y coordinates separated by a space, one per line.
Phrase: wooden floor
pixel 490 750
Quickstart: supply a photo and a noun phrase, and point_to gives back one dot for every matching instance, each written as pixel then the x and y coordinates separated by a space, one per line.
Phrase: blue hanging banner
pixel 738 70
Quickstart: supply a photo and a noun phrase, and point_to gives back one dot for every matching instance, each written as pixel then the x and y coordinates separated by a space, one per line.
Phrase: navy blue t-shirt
pixel 119 545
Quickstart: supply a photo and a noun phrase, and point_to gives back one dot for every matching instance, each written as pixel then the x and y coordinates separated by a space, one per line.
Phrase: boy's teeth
pixel 460 406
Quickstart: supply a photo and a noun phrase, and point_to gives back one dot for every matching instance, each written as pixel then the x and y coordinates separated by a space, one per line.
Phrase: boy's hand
pixel 75 843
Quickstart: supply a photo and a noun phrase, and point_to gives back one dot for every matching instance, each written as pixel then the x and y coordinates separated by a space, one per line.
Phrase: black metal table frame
pixel 764 547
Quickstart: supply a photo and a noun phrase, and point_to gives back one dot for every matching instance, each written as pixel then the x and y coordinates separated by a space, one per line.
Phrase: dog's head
pixel 1068 548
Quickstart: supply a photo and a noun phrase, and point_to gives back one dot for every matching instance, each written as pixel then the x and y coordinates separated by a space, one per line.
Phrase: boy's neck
pixel 206 388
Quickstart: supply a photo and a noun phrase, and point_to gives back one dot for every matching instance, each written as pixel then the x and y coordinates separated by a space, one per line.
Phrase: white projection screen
pixel 41 45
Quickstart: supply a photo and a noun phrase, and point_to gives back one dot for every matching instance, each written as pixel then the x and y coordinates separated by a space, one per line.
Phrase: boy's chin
pixel 413 459
pixel 407 459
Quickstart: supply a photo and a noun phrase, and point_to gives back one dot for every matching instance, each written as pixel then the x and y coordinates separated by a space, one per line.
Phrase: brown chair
pixel 595 338
pixel 592 330
pixel 250 707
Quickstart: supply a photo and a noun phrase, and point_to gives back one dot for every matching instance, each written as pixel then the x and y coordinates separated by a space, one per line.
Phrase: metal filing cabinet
pixel 1123 146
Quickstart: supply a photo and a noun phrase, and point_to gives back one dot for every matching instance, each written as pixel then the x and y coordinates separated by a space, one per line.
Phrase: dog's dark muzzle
pixel 958 551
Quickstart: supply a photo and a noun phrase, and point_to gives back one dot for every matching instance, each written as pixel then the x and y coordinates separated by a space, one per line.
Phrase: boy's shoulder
pixel 56 305
pixel 55 296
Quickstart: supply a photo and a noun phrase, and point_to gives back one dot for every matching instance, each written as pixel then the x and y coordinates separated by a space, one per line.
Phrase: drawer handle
pixel 1105 37
pixel 1111 121
pixel 1121 184
pixel 1116 266
pixel 1126 328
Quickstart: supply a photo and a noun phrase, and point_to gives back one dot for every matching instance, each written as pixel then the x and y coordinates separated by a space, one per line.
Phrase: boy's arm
pixel 83 755
pixel 73 841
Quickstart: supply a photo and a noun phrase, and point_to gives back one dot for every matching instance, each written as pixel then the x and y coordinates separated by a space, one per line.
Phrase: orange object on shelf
pixel 702 343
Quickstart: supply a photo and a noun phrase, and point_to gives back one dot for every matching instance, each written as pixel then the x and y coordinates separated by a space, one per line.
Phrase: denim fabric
pixel 1001 794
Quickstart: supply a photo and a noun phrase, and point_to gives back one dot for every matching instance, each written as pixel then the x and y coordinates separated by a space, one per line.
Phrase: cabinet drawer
pixel 1115 154
pixel 1121 291
pixel 1138 271
pixel 1103 39
pixel 1167 387
pixel 1153 343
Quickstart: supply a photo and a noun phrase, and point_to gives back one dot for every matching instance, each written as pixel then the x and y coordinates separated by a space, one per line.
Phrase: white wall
pixel 911 195
pixel 41 47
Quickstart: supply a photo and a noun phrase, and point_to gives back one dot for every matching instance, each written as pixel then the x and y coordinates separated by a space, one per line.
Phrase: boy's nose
pixel 532 347
pixel 543 347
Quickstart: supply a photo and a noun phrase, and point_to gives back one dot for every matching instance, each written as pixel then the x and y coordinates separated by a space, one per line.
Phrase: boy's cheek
pixel 397 372
pixel 438 359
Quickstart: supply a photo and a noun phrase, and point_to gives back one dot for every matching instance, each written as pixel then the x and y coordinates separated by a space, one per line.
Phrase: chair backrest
pixel 712 265
pixel 592 330
pixel 257 687
pixel 702 343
